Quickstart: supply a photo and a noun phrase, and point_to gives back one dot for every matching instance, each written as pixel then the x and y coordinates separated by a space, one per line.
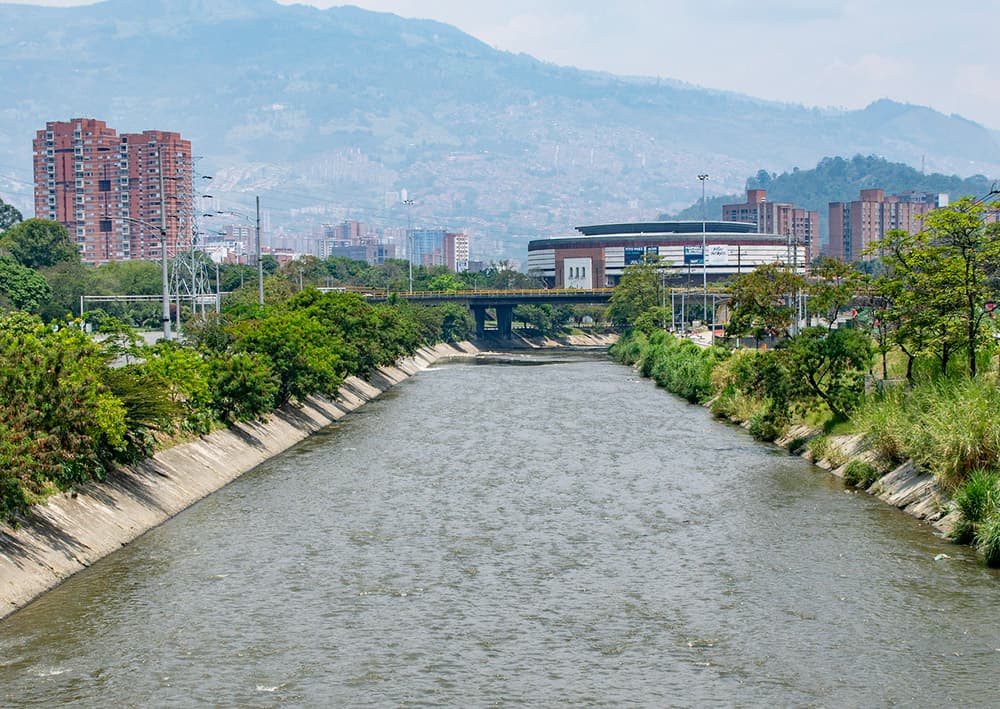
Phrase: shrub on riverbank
pixel 976 500
pixel 678 365
pixel 67 417
pixel 948 427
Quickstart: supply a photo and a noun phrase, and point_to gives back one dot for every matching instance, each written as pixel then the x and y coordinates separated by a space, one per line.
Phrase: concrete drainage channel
pixel 73 530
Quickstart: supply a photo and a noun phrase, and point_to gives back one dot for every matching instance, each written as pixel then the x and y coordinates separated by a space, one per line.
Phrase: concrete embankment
pixel 904 487
pixel 73 530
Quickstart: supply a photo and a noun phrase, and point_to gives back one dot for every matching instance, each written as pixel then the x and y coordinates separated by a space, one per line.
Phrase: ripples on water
pixel 504 536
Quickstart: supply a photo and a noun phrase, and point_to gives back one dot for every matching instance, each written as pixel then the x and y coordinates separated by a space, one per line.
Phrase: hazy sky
pixel 843 53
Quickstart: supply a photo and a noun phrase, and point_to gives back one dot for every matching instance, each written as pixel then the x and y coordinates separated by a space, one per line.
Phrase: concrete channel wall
pixel 73 530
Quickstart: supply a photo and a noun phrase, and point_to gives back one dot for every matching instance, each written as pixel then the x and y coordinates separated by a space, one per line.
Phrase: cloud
pixel 771 12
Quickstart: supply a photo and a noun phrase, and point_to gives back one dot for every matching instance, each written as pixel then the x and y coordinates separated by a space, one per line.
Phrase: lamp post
pixel 163 251
pixel 704 251
pixel 408 203
pixel 260 261
pixel 260 256
pixel 165 319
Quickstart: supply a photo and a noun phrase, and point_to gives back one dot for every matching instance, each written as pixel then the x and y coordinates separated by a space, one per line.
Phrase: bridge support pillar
pixel 479 312
pixel 505 320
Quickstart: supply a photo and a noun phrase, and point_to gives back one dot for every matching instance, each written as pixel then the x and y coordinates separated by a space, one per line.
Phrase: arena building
pixel 597 256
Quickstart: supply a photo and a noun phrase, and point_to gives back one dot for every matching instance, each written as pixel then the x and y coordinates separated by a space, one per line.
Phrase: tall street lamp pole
pixel 704 250
pixel 260 261
pixel 409 240
pixel 163 250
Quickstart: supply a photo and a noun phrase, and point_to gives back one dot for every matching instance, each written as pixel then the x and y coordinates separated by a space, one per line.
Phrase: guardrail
pixel 545 292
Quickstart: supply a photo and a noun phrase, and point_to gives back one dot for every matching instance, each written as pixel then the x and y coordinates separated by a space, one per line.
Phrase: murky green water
pixel 494 535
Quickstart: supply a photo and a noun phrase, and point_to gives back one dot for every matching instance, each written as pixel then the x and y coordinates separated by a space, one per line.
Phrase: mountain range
pixel 331 114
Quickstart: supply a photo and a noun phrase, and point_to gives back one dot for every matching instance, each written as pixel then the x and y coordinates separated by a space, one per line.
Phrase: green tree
pixel 760 304
pixel 68 281
pixel 827 366
pixel 446 282
pixel 21 288
pixel 39 243
pixel 299 351
pixel 183 374
pixel 941 276
pixel 9 216
pixel 641 288
pixel 456 322
pixel 243 387
pixel 831 286
pixel 59 425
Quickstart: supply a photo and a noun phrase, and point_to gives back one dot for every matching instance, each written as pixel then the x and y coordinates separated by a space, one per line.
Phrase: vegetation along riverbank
pixel 890 379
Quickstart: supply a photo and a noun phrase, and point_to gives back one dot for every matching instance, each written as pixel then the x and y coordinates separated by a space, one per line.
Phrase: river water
pixel 561 534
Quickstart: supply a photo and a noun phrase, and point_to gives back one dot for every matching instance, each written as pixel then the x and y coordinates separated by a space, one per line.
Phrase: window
pixel 105 226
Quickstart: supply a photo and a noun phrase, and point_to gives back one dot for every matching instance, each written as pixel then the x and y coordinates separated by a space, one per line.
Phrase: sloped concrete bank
pixel 904 487
pixel 73 530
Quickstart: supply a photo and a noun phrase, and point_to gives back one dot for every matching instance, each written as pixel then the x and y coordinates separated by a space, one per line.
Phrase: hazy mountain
pixel 322 112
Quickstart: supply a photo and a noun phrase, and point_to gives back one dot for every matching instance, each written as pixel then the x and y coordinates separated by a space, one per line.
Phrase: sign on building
pixel 637 254
pixel 718 255
pixel 693 255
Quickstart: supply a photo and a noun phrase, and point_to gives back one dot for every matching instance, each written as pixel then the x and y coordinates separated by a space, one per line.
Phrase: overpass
pixel 502 302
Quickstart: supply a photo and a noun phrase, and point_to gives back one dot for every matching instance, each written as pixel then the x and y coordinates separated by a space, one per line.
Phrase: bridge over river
pixel 502 302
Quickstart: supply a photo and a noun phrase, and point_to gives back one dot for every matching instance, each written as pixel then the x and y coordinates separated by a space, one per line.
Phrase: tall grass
pixel 677 365
pixel 977 500
pixel 949 427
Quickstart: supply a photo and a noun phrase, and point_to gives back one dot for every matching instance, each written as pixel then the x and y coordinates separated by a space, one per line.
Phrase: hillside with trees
pixel 840 179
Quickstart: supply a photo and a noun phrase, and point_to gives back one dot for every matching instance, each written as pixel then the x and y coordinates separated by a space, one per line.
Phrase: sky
pixel 840 53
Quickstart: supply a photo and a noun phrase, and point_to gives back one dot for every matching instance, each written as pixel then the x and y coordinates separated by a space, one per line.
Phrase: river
pixel 559 533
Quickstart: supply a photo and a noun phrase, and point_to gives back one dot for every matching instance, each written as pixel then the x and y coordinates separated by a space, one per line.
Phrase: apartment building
pixel 115 193
pixel 801 225
pixel 456 251
pixel 855 225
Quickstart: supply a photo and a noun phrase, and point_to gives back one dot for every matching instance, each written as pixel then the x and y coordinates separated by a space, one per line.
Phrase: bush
pixel 243 386
pixel 767 425
pixel 988 539
pixel 301 353
pixel 861 474
pixel 976 499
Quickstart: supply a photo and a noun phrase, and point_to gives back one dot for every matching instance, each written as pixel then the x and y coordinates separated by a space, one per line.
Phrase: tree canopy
pixel 9 216
pixel 939 280
pixel 39 243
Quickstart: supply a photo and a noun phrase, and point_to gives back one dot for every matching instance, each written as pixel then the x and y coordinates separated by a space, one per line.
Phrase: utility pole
pixel 163 247
pixel 409 240
pixel 260 261
pixel 704 252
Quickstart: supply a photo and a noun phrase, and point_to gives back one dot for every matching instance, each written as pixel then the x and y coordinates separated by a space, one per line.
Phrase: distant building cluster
pixel 437 247
pixel 855 225
pixel 130 195
pixel 116 194
pixel 801 225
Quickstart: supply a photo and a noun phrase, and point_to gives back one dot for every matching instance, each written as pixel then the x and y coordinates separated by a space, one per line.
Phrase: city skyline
pixel 833 53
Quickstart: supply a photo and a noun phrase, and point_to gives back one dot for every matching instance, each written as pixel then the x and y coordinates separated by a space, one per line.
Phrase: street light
pixel 704 250
pixel 260 259
pixel 408 203
pixel 165 318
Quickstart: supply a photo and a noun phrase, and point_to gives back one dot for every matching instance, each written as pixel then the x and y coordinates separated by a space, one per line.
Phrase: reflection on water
pixel 520 535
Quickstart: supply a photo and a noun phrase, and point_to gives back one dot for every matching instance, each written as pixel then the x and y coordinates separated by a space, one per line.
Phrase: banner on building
pixel 693 255
pixel 718 255
pixel 637 254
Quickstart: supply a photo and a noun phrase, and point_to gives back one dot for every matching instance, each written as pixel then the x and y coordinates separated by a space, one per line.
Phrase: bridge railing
pixel 544 292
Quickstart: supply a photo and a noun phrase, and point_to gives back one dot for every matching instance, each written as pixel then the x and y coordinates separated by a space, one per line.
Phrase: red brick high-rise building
pixel 777 218
pixel 114 193
pixel 855 225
